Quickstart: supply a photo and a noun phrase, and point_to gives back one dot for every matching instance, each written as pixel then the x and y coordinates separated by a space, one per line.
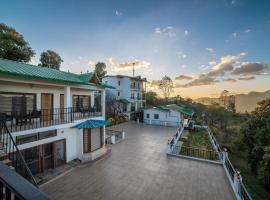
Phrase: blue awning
pixel 92 124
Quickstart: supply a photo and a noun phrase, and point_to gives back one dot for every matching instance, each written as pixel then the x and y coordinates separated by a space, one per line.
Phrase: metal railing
pixel 15 187
pixel 196 152
pixel 118 135
pixel 13 153
pixel 38 118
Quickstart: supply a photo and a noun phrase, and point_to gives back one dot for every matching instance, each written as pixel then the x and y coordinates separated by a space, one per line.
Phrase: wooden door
pixel 62 107
pixel 47 106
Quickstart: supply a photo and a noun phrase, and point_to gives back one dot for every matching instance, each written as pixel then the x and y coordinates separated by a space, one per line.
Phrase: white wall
pixel 164 116
pixel 38 89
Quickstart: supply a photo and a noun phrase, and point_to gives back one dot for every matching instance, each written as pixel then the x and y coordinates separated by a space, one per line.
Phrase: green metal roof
pixel 33 72
pixel 92 124
pixel 125 101
pixel 174 107
pixel 179 108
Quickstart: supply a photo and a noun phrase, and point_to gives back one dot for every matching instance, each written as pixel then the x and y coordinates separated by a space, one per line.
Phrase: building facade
pixel 53 116
pixel 129 93
pixel 168 115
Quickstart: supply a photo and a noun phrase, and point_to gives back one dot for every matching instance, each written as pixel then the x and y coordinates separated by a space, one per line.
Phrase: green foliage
pixel 117 119
pixel 256 136
pixel 100 70
pixel 13 46
pixel 50 59
pixel 151 98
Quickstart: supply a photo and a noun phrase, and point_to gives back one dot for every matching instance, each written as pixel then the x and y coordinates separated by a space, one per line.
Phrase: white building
pixel 168 115
pixel 129 92
pixel 53 116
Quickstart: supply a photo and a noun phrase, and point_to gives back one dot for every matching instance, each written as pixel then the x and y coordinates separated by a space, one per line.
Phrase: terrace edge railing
pixel 13 186
pixel 14 154
pixel 115 136
pixel 233 175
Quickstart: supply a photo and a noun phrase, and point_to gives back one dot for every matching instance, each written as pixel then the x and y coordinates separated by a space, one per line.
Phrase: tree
pixel 50 59
pixel 166 86
pixel 255 134
pixel 151 98
pixel 227 100
pixel 100 70
pixel 13 46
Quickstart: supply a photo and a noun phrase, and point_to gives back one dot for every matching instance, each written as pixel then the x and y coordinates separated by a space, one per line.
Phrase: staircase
pixel 11 156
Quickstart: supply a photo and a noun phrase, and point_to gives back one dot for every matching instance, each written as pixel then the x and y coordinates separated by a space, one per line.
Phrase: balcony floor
pixel 139 169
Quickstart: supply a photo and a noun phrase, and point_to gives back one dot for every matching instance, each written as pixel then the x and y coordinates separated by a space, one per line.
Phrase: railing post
pixel 237 184
pixel 123 135
pixel 224 156
pixel 168 148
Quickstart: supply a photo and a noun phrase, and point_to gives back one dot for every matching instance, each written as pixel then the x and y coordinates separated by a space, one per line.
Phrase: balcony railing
pixel 31 119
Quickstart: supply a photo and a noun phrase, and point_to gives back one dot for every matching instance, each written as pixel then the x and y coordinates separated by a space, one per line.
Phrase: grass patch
pixel 197 138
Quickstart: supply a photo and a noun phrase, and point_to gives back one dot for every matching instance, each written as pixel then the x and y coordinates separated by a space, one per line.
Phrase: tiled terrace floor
pixel 139 169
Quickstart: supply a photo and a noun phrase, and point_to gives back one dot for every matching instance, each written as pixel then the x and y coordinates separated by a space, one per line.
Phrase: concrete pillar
pixel 123 135
pixel 38 101
pixel 103 101
pixel 92 98
pixel 67 97
pixel 224 156
pixel 113 139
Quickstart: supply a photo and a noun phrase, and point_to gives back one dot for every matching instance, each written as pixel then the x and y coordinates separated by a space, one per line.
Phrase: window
pixel 26 138
pixel 35 137
pixel 132 96
pixel 81 102
pixel 156 116
pixel 147 115
pixel 118 93
pixel 47 134
pixel 118 83
pixel 17 102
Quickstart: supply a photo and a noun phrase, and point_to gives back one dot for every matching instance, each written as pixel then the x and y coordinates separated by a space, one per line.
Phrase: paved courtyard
pixel 138 168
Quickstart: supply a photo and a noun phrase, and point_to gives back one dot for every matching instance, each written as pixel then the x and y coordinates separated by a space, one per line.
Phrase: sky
pixel 203 46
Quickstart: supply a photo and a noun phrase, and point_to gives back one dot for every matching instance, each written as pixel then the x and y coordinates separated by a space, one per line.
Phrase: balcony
pixel 32 119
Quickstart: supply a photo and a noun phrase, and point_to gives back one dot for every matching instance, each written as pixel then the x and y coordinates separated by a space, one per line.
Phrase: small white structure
pixel 168 115
pixel 128 91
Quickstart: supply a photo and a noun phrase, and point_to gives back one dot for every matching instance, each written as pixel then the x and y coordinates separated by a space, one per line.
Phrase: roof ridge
pixel 41 67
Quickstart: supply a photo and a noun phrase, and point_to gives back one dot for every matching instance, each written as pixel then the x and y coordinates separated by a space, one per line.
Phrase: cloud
pixel 91 63
pixel 230 80
pixel 210 50
pixel 201 80
pixel 183 77
pixel 247 30
pixel 128 65
pixel 118 13
pixel 181 55
pixel 168 31
pixel 251 68
pixel 186 32
pixel 212 62
pixel 234 34
pixel 245 78
pixel 226 64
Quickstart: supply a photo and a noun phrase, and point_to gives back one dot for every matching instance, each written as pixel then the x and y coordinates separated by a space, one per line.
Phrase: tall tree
pixel 151 98
pixel 166 86
pixel 13 46
pixel 257 138
pixel 100 70
pixel 50 59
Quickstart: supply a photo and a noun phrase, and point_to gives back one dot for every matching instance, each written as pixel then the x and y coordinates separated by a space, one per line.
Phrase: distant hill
pixel 243 102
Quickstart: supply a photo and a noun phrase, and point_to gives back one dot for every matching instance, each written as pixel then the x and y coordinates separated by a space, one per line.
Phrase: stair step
pixel 7 162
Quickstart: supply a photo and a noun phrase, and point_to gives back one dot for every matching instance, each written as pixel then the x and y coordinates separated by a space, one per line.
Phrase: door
pixel 62 107
pixel 47 106
pixel 46 156
pixel 59 153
